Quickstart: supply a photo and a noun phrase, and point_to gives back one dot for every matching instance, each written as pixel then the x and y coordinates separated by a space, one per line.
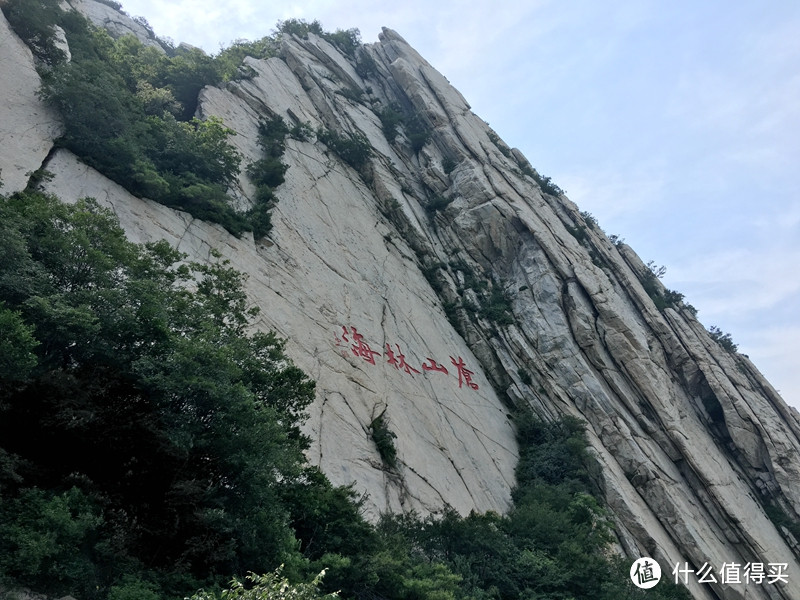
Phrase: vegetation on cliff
pixel 174 457
pixel 150 445
pixel 128 111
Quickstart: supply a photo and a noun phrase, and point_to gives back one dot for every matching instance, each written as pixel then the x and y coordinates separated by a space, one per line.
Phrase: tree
pixel 271 586
pixel 177 426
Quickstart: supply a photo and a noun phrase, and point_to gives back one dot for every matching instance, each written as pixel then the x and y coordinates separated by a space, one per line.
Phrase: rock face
pixel 27 126
pixel 442 283
pixel 117 23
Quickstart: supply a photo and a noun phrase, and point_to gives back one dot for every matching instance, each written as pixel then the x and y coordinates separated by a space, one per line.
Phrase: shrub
pixel 414 127
pixel 437 203
pixel 548 187
pixel 33 21
pixel 497 308
pixel 391 119
pixel 384 441
pixel 589 219
pixel 723 339
pixel 346 40
pixel 299 27
pixel 115 98
pixel 578 232
pixel 176 430
pixel 365 65
pixel 545 183
pixel 271 586
pixel 417 131
pixel 657 271
pixel 499 144
pixel 353 149
pixel 662 297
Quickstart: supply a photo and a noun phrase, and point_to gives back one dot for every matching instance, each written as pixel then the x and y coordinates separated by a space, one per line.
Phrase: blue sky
pixel 677 124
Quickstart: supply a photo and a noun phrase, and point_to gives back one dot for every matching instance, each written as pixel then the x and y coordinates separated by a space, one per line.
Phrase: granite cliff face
pixel 444 282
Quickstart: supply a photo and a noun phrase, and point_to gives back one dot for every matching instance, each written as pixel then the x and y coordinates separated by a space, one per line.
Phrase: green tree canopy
pixel 175 429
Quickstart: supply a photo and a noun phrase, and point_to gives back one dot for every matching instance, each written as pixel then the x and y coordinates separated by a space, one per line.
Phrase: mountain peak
pixel 432 281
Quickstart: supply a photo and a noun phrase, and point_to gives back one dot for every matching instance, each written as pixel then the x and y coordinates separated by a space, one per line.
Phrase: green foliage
pixel 133 588
pixel 499 144
pixel 365 65
pixel 33 21
pixel 346 40
pixel 578 232
pixel 128 112
pixel 177 430
pixel 657 271
pixel 498 308
pixel 229 60
pixel 268 173
pixel 723 339
pixel 672 298
pixel 437 203
pixel 119 101
pixel 524 376
pixel 552 453
pixel 112 3
pixel 299 27
pixel 351 93
pixel 590 220
pixel 354 149
pixel 393 118
pixel 661 296
pixel 781 519
pixel 17 345
pixel 42 535
pixel 552 544
pixel 417 131
pixel 384 440
pixel 448 165
pixel 545 183
pixel 271 586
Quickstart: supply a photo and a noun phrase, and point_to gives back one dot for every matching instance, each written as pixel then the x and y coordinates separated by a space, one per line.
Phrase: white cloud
pixel 732 283
pixel 774 351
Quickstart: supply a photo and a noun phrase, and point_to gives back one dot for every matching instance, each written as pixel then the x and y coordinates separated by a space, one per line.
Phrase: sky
pixel 676 124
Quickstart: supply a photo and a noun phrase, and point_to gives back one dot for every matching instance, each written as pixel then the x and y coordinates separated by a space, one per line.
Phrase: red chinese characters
pixel 351 339
pixel 399 361
pixel 434 366
pixel 359 346
pixel 464 374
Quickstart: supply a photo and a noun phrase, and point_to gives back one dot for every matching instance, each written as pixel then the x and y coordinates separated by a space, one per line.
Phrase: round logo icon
pixel 645 573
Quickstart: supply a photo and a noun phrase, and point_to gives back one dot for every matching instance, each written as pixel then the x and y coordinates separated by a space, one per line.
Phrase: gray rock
pixel 27 126
pixel 116 22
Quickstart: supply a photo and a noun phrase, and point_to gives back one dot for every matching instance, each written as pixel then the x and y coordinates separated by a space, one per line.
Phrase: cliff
pixel 442 282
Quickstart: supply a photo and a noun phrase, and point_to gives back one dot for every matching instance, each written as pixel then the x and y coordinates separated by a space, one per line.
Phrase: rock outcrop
pixel 27 126
pixel 444 282
pixel 115 22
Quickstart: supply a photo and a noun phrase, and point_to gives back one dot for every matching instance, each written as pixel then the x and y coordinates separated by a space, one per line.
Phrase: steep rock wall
pixel 691 443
